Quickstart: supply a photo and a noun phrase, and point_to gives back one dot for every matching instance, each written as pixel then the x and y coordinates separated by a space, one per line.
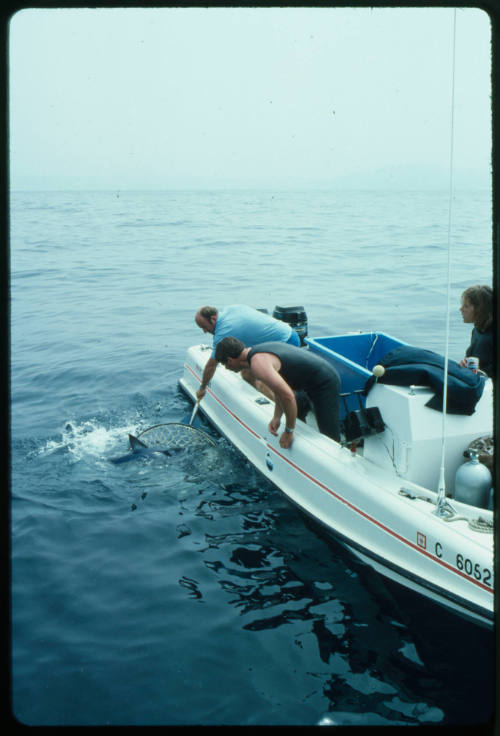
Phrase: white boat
pixel 377 496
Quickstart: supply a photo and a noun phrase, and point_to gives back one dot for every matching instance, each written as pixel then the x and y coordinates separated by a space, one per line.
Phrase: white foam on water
pixel 89 439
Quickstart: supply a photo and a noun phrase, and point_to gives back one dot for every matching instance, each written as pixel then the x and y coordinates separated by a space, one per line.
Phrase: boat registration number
pixel 474 570
pixel 464 564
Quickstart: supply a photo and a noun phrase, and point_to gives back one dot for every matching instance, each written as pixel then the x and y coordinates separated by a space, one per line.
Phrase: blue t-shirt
pixel 250 326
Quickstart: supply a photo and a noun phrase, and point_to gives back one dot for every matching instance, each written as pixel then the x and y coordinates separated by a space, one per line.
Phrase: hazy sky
pixel 176 97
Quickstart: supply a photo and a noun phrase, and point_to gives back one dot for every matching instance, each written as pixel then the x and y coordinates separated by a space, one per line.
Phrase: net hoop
pixel 174 435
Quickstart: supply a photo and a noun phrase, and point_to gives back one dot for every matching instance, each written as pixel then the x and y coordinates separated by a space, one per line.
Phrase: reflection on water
pixel 278 572
pixel 222 561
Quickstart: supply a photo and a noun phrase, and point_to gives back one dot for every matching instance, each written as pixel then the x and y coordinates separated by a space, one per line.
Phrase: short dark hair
pixel 228 347
pixel 208 312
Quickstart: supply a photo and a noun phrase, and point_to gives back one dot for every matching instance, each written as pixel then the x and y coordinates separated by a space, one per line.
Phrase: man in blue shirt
pixel 247 324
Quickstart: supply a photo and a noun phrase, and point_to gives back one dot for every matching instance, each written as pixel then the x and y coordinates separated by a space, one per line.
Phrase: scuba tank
pixel 473 482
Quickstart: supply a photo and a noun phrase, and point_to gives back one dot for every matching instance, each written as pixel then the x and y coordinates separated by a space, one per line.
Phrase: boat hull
pixel 384 520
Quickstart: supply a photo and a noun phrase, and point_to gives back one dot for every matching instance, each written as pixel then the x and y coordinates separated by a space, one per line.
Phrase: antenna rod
pixel 441 499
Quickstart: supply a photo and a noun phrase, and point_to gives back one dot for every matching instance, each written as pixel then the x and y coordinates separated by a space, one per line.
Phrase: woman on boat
pixel 477 308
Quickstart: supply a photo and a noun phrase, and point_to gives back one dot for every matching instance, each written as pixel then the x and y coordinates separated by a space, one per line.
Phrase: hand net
pixel 174 436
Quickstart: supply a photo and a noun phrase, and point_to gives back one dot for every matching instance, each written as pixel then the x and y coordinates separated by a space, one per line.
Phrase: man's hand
pixel 286 440
pixel 274 425
pixel 201 393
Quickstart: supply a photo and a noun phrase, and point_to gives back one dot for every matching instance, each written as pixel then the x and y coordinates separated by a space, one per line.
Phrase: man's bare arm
pixel 208 372
pixel 265 367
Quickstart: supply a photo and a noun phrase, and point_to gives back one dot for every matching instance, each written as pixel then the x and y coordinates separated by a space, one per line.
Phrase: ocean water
pixel 186 590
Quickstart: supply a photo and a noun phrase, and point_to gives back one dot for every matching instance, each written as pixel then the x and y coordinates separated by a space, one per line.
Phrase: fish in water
pixel 166 439
pixel 139 449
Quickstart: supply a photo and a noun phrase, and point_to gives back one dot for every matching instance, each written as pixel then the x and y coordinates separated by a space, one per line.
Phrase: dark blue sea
pixel 187 590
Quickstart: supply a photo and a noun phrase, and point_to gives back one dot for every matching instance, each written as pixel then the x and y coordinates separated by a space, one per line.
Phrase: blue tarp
pixel 407 366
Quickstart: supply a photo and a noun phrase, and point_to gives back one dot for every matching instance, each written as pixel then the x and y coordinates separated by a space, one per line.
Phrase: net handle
pixel 196 407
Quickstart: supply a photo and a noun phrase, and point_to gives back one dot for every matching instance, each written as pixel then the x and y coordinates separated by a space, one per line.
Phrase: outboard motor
pixel 473 482
pixel 294 316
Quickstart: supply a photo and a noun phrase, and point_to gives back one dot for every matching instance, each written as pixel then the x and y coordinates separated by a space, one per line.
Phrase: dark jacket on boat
pixel 408 366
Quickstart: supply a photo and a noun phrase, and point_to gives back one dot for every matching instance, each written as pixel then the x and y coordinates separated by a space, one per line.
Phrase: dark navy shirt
pixel 300 368
pixel 481 347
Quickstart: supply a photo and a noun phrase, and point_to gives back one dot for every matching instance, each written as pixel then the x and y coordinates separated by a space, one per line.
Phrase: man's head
pixel 206 318
pixel 229 352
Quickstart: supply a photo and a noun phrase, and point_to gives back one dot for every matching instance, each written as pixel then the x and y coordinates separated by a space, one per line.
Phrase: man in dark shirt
pixel 285 369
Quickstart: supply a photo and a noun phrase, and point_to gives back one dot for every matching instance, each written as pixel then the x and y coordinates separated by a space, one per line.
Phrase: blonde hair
pixel 481 298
